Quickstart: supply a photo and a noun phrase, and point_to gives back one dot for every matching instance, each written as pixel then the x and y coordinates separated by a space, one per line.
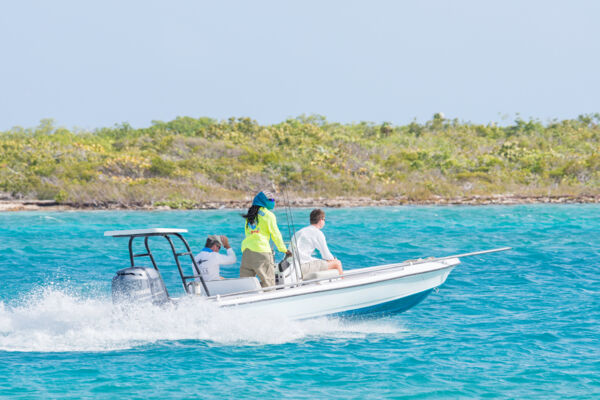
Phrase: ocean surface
pixel 518 324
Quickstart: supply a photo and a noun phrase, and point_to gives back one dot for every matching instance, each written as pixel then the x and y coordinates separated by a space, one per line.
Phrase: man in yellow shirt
pixel 261 227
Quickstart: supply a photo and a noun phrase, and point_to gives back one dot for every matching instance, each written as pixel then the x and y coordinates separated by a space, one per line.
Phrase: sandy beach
pixel 51 205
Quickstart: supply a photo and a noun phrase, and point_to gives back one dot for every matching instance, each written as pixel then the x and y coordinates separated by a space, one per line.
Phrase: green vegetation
pixel 188 161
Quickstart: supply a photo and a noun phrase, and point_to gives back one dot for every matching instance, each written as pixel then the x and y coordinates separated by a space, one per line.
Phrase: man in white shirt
pixel 307 239
pixel 209 260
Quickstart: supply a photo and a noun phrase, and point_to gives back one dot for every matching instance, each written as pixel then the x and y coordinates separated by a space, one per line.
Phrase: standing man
pixel 209 260
pixel 307 239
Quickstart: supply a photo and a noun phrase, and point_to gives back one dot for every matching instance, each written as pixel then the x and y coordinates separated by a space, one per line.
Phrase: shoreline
pixel 340 202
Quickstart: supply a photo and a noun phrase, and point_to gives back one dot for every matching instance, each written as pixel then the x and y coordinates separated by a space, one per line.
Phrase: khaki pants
pixel 260 264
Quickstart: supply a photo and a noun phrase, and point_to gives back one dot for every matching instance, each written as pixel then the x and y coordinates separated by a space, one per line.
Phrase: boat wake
pixel 54 320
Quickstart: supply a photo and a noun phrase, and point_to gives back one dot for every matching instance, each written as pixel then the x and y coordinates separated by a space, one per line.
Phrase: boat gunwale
pixel 367 270
pixel 244 296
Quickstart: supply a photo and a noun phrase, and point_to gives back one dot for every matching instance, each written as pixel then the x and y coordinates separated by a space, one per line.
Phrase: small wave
pixel 53 320
pixel 49 218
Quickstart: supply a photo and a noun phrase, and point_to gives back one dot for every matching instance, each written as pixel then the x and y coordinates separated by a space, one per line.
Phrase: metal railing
pixel 176 255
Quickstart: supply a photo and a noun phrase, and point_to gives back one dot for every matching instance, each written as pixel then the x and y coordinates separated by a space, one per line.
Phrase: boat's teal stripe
pixel 388 308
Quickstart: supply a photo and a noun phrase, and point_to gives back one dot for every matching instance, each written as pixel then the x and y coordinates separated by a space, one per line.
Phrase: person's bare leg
pixel 335 264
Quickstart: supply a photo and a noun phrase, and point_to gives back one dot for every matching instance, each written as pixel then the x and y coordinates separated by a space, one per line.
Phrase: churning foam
pixel 52 320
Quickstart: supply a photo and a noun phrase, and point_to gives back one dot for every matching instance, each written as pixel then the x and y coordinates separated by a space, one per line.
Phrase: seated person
pixel 306 240
pixel 209 260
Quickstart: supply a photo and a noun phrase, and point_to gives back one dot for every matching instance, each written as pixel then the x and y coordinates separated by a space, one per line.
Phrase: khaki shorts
pixel 314 266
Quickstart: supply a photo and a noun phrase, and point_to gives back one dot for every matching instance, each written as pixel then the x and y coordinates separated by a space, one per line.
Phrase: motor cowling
pixel 285 272
pixel 137 285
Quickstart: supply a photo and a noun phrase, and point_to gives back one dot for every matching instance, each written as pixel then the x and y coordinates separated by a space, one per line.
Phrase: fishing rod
pixel 287 218
pixel 293 239
pixel 287 214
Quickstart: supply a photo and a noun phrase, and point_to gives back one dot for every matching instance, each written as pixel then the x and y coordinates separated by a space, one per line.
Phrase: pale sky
pixel 91 64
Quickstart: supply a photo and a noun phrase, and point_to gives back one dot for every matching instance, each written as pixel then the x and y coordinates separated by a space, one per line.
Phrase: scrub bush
pixel 188 161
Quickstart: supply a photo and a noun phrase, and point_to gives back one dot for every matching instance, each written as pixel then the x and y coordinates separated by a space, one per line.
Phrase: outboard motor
pixel 138 284
pixel 285 272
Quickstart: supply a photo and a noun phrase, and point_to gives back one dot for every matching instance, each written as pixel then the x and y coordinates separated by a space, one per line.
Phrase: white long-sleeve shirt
pixel 306 240
pixel 210 263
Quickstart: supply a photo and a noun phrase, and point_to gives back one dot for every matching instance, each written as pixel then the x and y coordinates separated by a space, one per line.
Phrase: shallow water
pixel 517 324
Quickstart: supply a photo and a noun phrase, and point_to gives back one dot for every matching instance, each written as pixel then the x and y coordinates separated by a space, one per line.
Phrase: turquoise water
pixel 517 324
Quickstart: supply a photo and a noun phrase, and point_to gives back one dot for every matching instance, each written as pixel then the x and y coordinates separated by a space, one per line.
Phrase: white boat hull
pixel 361 291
